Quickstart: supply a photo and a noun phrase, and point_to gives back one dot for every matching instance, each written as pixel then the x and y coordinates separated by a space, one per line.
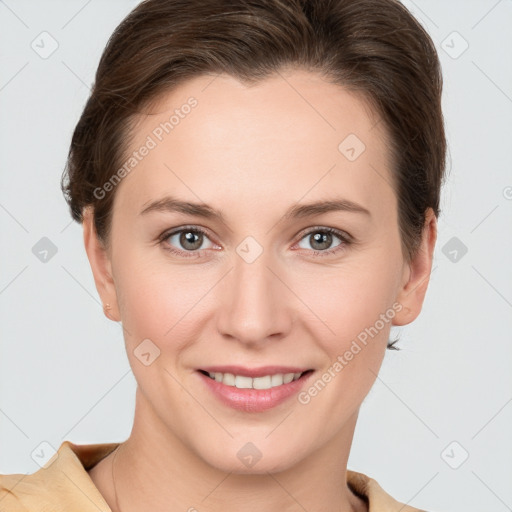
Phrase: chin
pixel 249 460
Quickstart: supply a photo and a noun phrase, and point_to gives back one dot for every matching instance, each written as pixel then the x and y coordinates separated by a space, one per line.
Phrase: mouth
pixel 265 381
pixel 253 390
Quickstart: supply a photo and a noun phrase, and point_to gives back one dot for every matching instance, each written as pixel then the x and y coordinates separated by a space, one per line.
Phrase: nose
pixel 254 304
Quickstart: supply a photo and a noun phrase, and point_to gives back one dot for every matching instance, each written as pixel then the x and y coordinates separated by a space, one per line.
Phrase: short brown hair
pixel 374 47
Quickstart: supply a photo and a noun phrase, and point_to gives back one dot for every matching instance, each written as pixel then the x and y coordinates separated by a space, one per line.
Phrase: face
pixel 257 282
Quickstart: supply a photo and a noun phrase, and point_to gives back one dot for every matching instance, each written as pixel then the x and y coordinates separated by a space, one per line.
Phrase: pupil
pixel 324 239
pixel 188 238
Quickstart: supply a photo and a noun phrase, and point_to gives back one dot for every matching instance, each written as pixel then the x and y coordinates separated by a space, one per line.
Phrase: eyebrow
pixel 172 204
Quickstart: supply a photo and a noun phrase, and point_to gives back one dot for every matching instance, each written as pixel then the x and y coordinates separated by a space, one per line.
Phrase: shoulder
pixel 9 501
pixel 377 498
pixel 28 492
pixel 60 485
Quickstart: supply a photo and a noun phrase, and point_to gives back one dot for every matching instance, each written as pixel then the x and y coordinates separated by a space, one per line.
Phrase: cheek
pixel 356 311
pixel 345 300
pixel 161 302
pixel 351 309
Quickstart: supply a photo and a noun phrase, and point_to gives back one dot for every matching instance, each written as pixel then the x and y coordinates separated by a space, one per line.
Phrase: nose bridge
pixel 254 305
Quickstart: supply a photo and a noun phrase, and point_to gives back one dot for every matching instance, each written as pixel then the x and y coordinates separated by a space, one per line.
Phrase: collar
pixel 64 485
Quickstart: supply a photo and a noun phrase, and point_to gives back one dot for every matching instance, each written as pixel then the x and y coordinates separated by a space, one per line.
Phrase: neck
pixel 148 478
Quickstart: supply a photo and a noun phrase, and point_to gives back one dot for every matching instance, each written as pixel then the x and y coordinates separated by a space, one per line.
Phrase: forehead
pixel 291 136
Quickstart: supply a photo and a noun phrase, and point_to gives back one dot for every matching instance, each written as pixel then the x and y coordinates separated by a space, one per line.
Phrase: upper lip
pixel 253 372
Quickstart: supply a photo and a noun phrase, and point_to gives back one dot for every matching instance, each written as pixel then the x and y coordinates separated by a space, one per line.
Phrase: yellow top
pixel 65 486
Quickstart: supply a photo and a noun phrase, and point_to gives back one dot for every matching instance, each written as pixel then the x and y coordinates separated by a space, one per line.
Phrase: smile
pixel 264 389
pixel 264 382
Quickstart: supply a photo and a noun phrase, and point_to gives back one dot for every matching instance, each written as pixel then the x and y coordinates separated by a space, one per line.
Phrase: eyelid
pixel 338 232
pixel 191 227
pixel 180 252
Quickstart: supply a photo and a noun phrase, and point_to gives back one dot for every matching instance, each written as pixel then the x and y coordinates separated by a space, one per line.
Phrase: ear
pixel 101 266
pixel 416 274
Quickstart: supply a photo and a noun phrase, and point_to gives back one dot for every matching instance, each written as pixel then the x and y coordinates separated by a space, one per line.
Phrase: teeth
pixel 262 382
pixel 265 382
pixel 288 377
pixel 243 382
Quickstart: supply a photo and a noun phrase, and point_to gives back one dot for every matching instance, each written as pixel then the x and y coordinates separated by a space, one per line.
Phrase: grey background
pixel 64 373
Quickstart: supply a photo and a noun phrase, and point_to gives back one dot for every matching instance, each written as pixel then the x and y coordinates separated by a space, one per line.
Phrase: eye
pixel 186 241
pixel 321 239
pixel 189 241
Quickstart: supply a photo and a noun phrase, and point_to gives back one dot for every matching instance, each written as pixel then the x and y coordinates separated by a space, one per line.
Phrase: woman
pixel 259 187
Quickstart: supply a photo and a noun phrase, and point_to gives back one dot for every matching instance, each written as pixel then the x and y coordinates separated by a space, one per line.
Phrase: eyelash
pixel 346 240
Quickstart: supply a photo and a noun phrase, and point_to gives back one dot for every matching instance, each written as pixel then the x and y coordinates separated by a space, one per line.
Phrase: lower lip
pixel 254 400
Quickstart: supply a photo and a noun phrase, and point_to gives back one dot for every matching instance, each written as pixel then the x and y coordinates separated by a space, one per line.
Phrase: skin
pixel 252 152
